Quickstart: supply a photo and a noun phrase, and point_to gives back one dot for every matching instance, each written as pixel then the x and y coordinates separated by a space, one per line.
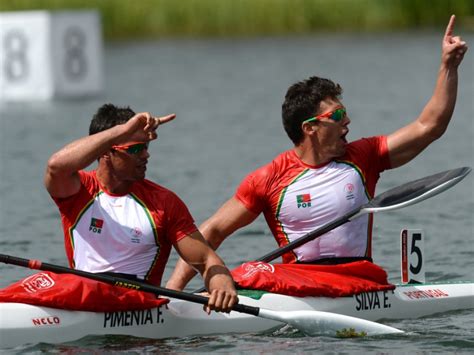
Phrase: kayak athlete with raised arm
pixel 324 176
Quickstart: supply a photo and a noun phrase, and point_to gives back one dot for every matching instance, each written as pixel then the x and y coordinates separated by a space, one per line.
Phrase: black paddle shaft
pixel 310 236
pixel 121 282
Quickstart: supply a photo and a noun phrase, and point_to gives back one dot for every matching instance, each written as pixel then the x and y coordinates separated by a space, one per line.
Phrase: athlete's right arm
pixel 230 217
pixel 61 178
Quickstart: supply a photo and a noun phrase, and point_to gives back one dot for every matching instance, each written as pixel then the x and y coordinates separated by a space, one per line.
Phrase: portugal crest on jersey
pixel 303 201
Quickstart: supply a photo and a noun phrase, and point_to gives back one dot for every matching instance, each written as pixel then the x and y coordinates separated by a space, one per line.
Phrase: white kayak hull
pixel 22 323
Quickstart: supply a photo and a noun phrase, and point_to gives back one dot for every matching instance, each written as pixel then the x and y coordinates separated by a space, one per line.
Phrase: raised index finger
pixel 450 27
pixel 166 119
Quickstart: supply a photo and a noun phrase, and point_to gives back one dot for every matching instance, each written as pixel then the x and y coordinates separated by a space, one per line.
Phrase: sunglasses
pixel 336 115
pixel 132 148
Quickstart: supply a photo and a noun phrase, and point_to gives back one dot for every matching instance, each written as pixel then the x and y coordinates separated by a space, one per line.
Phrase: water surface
pixel 227 95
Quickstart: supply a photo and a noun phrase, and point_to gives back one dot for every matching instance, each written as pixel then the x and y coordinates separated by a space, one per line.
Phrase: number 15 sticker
pixel 412 261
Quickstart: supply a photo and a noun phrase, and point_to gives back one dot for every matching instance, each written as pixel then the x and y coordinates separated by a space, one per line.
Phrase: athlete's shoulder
pixel 151 187
pixel 87 174
pixel 368 141
pixel 367 146
pixel 89 180
pixel 371 154
pixel 271 175
pixel 153 190
pixel 282 164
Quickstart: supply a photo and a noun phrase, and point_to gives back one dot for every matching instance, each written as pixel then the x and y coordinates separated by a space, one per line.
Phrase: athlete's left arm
pixel 407 142
pixel 194 250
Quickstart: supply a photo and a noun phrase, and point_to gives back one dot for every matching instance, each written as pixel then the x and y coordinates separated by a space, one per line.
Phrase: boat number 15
pixel 412 267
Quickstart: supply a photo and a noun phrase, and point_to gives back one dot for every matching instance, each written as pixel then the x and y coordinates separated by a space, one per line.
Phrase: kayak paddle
pixel 308 322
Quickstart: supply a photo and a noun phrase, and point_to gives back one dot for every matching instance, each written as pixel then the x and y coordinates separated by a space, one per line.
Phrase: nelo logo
pixel 37 282
pixel 52 320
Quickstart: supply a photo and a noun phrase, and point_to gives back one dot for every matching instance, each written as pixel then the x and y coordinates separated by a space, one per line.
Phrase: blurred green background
pixel 124 19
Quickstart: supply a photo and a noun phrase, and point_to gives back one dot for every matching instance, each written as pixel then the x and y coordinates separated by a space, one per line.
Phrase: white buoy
pixel 47 54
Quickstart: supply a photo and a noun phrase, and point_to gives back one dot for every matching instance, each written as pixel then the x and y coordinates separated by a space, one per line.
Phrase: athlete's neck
pixel 111 184
pixel 310 156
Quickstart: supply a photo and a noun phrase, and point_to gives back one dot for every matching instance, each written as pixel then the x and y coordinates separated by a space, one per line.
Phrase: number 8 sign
pixel 50 54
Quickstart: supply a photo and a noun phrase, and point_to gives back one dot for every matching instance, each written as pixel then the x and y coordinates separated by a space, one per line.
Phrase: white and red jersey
pixel 130 234
pixel 297 198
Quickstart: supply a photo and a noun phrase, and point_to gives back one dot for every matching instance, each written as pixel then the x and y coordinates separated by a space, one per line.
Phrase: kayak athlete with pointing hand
pixel 117 222
pixel 323 177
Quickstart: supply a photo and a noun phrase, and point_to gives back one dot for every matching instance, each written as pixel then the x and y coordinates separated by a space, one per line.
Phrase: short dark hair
pixel 302 101
pixel 108 116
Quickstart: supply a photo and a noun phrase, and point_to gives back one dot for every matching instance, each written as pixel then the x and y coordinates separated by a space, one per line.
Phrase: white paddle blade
pixel 326 323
